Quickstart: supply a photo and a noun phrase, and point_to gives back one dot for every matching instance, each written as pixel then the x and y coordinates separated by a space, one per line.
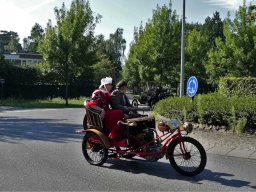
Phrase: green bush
pixel 19 75
pixel 212 109
pixel 174 107
pixel 240 126
pixel 245 107
pixel 232 86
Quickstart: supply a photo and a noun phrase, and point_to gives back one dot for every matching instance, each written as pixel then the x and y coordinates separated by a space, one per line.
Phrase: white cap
pixel 105 81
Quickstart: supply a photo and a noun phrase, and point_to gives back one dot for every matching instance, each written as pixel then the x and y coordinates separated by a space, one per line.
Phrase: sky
pixel 21 15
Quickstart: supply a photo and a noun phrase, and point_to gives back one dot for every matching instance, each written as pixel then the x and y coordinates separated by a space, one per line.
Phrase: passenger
pixel 100 100
pixel 118 98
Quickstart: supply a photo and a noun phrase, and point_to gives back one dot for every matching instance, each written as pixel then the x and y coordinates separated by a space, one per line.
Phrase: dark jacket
pixel 119 100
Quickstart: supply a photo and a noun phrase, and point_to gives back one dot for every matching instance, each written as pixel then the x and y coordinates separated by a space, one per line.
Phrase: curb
pixel 226 143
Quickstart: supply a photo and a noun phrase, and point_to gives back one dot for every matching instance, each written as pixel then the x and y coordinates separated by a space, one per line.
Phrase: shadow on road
pixel 14 129
pixel 164 170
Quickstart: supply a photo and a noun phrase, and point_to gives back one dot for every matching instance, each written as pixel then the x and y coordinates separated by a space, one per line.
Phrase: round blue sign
pixel 192 86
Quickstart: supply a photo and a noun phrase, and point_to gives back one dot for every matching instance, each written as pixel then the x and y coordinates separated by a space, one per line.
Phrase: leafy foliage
pixel 9 41
pixel 174 107
pixel 196 50
pixel 31 43
pixel 19 75
pixel 236 55
pixel 67 46
pixel 213 49
pixel 212 109
pixel 231 86
pixel 154 55
pixel 109 56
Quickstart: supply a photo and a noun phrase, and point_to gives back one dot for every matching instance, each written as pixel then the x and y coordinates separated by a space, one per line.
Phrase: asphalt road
pixel 39 150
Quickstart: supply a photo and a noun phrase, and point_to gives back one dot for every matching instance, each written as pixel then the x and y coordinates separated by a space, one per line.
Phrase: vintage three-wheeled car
pixel 144 138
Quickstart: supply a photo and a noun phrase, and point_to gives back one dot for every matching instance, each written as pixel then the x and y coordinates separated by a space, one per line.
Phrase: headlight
pixel 188 127
pixel 162 126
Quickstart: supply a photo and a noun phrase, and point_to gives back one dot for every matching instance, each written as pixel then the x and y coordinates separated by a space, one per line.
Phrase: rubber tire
pixel 135 103
pixel 202 152
pixel 86 156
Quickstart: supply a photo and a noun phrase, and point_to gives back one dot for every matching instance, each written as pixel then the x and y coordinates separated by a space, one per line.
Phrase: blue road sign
pixel 192 86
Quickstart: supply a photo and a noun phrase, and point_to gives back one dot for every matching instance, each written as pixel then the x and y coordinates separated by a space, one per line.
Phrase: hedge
pixel 174 107
pixel 232 86
pixel 29 82
pixel 211 109
pixel 44 91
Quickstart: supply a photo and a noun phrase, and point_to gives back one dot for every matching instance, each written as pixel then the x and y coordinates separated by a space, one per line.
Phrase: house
pixel 23 57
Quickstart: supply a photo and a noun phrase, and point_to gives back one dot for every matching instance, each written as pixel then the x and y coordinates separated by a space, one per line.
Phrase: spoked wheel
pixel 135 103
pixel 94 150
pixel 190 162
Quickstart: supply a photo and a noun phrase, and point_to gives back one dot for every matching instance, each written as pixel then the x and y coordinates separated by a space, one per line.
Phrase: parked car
pixel 151 97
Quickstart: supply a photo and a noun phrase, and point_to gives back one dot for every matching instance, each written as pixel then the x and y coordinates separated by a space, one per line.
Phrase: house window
pixel 29 61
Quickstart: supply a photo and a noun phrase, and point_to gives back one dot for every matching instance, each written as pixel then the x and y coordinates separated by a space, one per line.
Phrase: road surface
pixel 39 150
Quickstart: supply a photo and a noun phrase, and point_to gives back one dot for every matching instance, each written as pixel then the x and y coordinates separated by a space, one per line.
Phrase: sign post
pixel 192 87
pixel 182 66
pixel 2 81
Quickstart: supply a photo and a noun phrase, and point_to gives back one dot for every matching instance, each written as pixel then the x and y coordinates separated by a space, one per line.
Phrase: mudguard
pixel 100 134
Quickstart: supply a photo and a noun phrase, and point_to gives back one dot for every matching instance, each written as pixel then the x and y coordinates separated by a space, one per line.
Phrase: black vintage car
pixel 151 97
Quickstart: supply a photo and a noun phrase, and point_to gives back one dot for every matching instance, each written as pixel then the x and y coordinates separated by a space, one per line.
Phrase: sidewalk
pixel 226 143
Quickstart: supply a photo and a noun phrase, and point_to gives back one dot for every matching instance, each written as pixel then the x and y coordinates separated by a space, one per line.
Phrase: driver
pixel 118 98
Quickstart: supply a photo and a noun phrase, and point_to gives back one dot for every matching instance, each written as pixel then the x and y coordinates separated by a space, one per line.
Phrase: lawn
pixel 43 103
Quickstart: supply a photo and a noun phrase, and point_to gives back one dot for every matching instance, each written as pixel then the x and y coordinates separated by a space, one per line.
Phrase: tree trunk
pixel 66 82
pixel 161 78
pixel 66 93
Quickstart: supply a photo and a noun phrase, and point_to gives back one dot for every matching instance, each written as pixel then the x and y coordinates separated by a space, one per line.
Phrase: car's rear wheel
pixel 135 103
pixel 94 149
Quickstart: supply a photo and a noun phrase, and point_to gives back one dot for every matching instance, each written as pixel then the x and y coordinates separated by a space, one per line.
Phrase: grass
pixel 43 103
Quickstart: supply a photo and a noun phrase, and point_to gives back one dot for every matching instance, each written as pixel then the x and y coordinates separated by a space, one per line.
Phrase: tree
pixel 213 28
pixel 114 50
pixel 131 71
pixel 13 45
pixel 103 68
pixel 236 55
pixel 9 41
pixel 31 43
pixel 156 49
pixel 68 46
pixel 196 50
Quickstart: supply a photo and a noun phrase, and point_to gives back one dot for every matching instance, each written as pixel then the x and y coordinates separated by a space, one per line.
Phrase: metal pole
pixel 182 68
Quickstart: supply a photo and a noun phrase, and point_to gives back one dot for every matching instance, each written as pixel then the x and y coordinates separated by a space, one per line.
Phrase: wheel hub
pixel 187 156
pixel 96 148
